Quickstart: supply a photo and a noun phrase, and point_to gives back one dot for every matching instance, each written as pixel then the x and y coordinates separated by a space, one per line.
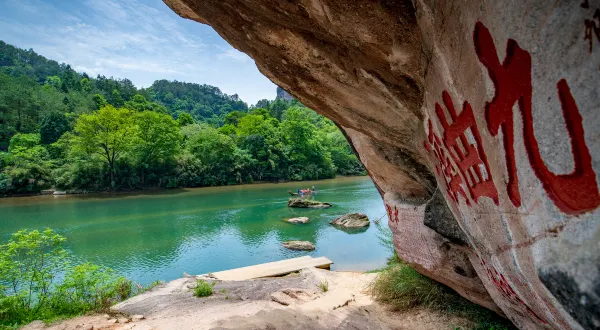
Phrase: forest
pixel 65 130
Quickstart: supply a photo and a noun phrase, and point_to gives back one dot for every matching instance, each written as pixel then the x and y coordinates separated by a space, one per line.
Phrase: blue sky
pixel 142 40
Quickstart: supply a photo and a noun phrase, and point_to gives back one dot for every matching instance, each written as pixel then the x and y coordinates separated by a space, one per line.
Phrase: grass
pixel 403 288
pixel 203 289
pixel 324 286
pixel 141 289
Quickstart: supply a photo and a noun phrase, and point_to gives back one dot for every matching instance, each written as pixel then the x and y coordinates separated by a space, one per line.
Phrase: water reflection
pixel 159 235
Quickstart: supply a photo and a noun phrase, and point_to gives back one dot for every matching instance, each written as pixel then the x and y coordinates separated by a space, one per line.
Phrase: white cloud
pixel 140 40
pixel 234 54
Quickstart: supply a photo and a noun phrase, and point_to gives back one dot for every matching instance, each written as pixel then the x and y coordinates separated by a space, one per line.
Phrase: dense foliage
pixel 37 282
pixel 63 129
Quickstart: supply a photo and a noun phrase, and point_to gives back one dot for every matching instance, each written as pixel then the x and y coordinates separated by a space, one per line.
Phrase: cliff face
pixel 478 121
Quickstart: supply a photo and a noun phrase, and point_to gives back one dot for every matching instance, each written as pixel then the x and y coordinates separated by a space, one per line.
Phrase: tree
pixel 53 81
pixel 265 104
pixel 85 84
pixel 223 161
pixel 277 108
pixel 234 117
pixel 99 101
pixel 158 139
pixel 185 119
pixel 53 126
pixel 116 99
pixel 108 133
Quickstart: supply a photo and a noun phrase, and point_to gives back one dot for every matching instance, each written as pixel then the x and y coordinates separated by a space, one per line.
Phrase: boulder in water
pixel 298 220
pixel 298 245
pixel 352 220
pixel 307 203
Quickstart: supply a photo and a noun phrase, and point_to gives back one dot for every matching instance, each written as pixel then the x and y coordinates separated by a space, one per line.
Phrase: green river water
pixel 159 235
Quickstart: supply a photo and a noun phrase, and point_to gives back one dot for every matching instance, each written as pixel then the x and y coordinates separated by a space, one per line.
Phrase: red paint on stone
pixel 472 162
pixel 573 193
pixel 446 167
pixel 392 215
pixel 506 290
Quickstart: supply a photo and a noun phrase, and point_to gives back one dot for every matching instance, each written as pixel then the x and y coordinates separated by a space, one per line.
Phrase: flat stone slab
pixel 276 268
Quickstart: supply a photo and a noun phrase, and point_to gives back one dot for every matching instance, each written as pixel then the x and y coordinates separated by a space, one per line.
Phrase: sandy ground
pixel 287 303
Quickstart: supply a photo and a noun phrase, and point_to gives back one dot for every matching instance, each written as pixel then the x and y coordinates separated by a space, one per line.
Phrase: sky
pixel 143 40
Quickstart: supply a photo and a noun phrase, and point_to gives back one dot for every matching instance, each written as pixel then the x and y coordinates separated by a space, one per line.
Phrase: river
pixel 159 235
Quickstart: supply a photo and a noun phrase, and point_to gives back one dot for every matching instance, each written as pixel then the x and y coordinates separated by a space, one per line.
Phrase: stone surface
pixel 35 325
pixel 298 220
pixel 137 317
pixel 307 203
pixel 494 104
pixel 123 320
pixel 351 220
pixel 291 296
pixel 298 245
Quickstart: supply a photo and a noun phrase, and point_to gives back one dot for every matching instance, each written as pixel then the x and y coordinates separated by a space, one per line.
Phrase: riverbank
pixel 297 301
pixel 158 190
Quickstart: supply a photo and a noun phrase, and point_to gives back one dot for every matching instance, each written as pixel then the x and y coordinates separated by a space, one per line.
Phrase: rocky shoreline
pixel 296 301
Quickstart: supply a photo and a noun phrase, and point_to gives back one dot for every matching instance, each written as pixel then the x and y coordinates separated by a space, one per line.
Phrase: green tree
pixel 99 101
pixel 85 84
pixel 116 99
pixel 140 103
pixel 308 157
pixel 277 108
pixel 233 118
pixel 158 140
pixel 223 161
pixel 53 81
pixel 53 126
pixel 108 133
pixel 185 119
pixel 39 283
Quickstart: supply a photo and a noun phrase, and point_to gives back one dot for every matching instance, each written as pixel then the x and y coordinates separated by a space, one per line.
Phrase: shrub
pixel 324 286
pixel 37 281
pixel 203 289
pixel 403 288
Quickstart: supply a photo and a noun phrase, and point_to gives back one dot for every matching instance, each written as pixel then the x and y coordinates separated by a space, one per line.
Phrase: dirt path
pixel 287 303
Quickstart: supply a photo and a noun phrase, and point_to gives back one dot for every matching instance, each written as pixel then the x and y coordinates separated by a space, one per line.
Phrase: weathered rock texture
pixel 478 121
pixel 298 220
pixel 351 220
pixel 307 203
pixel 298 245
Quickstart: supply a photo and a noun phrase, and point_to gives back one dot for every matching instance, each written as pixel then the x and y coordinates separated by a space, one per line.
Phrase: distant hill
pixel 282 94
pixel 201 101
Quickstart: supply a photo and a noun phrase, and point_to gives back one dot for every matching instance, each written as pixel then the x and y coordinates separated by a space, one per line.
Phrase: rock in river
pixel 298 245
pixel 306 203
pixel 298 220
pixel 352 220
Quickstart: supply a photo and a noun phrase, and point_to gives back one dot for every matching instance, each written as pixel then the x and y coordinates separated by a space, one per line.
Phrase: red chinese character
pixel 445 167
pixel 469 158
pixel 393 216
pixel 573 193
